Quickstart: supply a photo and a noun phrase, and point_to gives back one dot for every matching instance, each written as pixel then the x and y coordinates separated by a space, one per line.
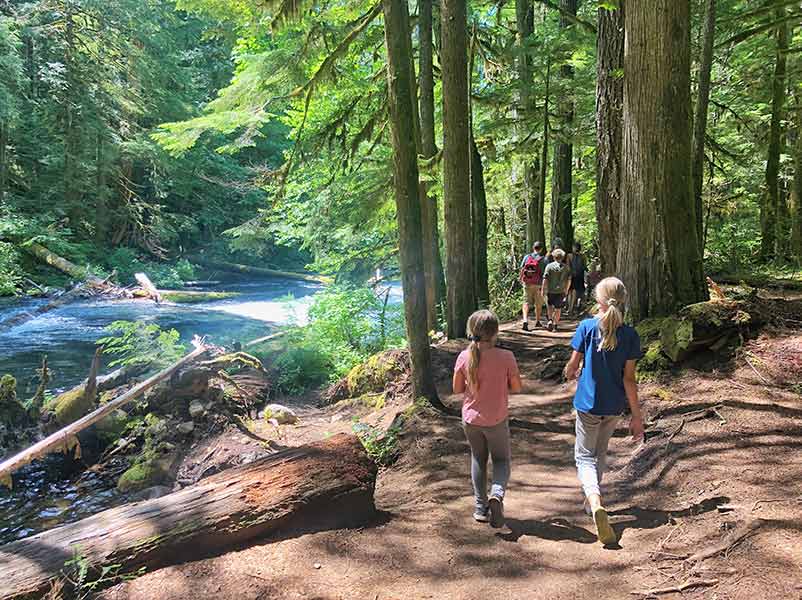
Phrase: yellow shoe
pixel 604 532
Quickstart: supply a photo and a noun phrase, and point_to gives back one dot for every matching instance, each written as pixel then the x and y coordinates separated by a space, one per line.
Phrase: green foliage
pixel 127 261
pixel 381 446
pixel 84 580
pixel 10 270
pixel 136 343
pixel 347 324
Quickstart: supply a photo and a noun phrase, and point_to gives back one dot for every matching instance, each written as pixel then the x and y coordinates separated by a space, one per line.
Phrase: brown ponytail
pixel 482 326
pixel 612 293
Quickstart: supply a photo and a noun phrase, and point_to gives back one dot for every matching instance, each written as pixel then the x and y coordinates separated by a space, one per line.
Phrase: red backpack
pixel 532 271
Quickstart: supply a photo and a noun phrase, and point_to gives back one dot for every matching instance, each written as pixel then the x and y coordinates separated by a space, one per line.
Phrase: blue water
pixel 67 334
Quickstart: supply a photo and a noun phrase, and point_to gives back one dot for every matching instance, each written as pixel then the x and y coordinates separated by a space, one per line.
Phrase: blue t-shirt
pixel 600 390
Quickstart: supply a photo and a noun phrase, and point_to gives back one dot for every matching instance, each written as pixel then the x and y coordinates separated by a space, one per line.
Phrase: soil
pixel 722 452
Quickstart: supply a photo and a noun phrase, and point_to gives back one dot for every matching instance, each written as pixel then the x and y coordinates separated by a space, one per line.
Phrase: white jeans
pixel 593 433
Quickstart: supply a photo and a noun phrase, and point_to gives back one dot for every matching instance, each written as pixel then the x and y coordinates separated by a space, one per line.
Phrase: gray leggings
pixel 495 442
pixel 593 433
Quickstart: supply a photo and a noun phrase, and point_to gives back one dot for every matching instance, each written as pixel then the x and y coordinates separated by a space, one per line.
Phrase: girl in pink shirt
pixel 486 375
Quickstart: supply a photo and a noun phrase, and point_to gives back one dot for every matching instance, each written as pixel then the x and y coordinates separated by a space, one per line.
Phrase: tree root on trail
pixel 736 536
pixel 674 589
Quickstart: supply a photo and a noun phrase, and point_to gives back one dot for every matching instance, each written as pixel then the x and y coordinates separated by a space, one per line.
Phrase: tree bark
pixel 795 198
pixel 456 155
pixel 62 264
pixel 562 225
pixel 321 485
pixel 544 159
pixel 659 263
pixel 700 118
pixel 771 197
pixel 406 180
pixel 433 271
pixel 479 222
pixel 609 106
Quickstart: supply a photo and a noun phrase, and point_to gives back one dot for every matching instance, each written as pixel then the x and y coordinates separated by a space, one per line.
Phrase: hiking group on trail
pixel 605 351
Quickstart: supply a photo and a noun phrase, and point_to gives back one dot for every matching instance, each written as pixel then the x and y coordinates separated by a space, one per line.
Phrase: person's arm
pixel 514 378
pixel 567 283
pixel 631 389
pixel 458 382
pixel 571 370
pixel 545 280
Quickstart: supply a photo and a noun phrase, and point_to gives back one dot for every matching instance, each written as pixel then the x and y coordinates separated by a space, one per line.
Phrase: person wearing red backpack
pixel 532 267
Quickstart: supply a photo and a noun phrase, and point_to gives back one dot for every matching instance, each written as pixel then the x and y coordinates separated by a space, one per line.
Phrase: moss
pixel 236 360
pixel 371 400
pixel 649 329
pixel 676 337
pixel 143 474
pixel 194 297
pixel 12 412
pixel 653 359
pixel 69 406
pixel 113 426
pixel 376 373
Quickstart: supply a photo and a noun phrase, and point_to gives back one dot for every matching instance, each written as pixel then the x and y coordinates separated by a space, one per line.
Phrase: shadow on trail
pixel 645 518
pixel 558 530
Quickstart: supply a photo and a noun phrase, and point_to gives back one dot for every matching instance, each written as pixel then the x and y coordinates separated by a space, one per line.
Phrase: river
pixel 43 496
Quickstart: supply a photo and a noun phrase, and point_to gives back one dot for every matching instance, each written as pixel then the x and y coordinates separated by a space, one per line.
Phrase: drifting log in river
pixel 325 484
pixel 249 270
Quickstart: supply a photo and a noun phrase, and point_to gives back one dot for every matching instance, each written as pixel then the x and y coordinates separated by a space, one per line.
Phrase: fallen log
pixel 261 271
pixel 195 296
pixel 62 264
pixel 321 485
pixel 75 403
pixel 761 282
pixel 147 285
pixel 66 439
pixel 23 317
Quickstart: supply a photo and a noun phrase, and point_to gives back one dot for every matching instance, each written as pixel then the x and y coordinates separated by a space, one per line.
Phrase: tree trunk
pixel 609 105
pixel 62 264
pixel 479 221
pixel 700 118
pixel 795 199
pixel 433 266
pixel 408 208
pixel 659 263
pixel 771 196
pixel 71 131
pixel 544 160
pixel 261 271
pixel 562 225
pixel 101 202
pixel 534 207
pixel 456 155
pixel 322 485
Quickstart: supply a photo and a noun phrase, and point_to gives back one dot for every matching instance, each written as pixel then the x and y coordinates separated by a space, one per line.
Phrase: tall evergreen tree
pixel 659 262
pixel 456 156
pixel 700 116
pixel 562 224
pixel 609 106
pixel 408 207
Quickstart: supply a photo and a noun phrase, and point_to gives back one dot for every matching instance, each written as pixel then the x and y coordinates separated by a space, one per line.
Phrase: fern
pixel 140 344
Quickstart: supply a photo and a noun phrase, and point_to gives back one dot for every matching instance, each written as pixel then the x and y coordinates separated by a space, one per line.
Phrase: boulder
pixel 281 414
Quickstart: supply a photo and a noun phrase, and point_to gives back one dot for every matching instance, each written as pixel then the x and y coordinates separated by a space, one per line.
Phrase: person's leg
pixel 479 455
pixel 525 311
pixel 587 435
pixel 606 430
pixel 538 305
pixel 498 441
pixel 557 314
pixel 571 299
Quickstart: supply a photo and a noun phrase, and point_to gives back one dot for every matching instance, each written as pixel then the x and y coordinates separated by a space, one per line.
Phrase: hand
pixel 570 372
pixel 636 427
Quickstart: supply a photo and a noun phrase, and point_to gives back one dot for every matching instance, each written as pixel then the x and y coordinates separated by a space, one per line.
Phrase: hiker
pixel 556 243
pixel 606 386
pixel 556 279
pixel 576 293
pixel 531 276
pixel 486 375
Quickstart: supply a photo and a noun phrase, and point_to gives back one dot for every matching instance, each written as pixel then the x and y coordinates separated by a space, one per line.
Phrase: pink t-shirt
pixel 488 407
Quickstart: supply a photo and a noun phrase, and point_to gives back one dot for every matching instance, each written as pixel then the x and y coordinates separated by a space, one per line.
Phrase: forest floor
pixel 721 459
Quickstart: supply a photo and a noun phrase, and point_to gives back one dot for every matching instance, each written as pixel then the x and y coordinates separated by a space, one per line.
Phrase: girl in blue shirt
pixel 606 385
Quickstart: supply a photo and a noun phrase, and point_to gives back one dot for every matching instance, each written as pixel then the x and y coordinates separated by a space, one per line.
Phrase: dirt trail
pixel 663 495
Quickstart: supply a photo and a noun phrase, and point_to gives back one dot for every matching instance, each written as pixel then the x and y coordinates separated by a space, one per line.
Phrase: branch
pixel 570 16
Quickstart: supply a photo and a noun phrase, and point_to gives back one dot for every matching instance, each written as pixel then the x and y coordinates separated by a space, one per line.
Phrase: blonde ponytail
pixel 482 327
pixel 611 293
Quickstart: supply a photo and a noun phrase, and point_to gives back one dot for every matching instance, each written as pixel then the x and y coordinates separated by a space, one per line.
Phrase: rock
pixel 196 409
pixel 186 428
pixel 281 414
pixel 144 474
pixel 317 565
pixel 113 426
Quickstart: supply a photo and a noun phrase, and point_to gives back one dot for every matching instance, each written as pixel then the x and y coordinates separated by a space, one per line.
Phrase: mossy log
pixel 62 264
pixel 372 377
pixel 195 296
pixel 325 484
pixel 760 282
pixel 698 326
pixel 260 271
pixel 75 403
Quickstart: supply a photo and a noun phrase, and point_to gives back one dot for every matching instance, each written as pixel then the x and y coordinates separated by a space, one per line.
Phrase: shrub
pixel 347 324
pixel 10 270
